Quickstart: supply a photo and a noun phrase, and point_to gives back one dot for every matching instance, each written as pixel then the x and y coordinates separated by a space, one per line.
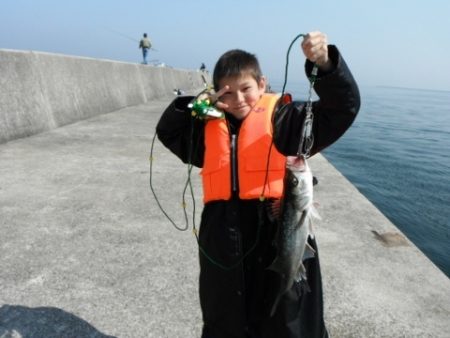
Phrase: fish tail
pixel 275 266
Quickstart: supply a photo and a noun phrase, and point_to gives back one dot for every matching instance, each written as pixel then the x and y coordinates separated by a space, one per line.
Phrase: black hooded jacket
pixel 236 236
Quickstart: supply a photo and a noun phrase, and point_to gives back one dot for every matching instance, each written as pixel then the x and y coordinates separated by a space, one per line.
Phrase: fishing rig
pixel 306 139
pixel 204 108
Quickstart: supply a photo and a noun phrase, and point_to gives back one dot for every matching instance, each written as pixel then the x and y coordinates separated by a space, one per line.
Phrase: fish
pixel 295 218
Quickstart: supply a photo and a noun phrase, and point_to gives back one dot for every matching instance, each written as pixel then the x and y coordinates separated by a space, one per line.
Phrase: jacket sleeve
pixel 334 112
pixel 182 134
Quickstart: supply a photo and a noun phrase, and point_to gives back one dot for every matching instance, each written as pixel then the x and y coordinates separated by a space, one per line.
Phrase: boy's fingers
pixel 315 47
pixel 221 105
pixel 215 97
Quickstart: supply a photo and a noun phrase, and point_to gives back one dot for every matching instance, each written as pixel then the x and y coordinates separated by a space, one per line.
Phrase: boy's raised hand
pixel 315 48
pixel 215 98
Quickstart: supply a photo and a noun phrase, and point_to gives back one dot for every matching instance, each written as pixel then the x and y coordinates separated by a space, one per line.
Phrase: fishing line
pixel 287 61
pixel 308 107
pixel 186 185
pixel 121 34
pixel 240 260
pixel 151 158
pixel 126 36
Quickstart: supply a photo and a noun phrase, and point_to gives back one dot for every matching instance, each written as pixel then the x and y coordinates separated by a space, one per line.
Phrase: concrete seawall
pixel 86 252
pixel 42 91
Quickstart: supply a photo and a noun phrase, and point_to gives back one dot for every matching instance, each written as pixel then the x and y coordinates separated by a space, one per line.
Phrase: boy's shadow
pixel 40 322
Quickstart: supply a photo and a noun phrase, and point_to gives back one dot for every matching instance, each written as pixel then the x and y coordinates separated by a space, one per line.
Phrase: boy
pixel 236 231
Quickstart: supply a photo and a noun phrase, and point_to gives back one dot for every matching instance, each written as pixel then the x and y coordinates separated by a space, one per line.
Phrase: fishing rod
pixel 125 36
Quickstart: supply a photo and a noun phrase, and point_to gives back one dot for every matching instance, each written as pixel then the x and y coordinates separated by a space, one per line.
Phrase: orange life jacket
pixel 253 145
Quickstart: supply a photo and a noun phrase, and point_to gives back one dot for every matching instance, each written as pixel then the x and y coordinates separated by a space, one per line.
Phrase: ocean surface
pixel 397 153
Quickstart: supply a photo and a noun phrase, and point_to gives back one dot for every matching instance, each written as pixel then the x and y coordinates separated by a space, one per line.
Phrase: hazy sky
pixel 385 42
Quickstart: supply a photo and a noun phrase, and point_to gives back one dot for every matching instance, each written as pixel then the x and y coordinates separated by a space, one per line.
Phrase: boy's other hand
pixel 315 48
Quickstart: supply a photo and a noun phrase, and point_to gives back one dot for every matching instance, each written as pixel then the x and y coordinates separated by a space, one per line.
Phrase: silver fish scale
pixel 294 225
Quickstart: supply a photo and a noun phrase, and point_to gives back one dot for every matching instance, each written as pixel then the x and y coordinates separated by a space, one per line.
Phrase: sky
pixel 401 43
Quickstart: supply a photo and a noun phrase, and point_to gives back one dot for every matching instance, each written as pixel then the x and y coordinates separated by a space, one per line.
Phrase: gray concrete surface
pixel 42 91
pixel 85 252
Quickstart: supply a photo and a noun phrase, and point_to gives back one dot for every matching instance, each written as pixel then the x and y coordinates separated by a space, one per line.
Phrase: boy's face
pixel 242 94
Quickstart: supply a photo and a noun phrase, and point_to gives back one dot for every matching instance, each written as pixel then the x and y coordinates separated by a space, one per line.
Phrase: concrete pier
pixel 42 91
pixel 86 252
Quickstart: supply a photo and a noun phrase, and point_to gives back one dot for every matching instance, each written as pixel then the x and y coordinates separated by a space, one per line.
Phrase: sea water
pixel 397 153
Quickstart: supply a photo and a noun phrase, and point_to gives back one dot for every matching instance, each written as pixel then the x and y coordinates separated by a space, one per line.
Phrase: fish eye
pixel 294 181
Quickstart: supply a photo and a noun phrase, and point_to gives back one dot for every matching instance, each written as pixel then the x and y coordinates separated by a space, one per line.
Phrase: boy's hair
pixel 236 62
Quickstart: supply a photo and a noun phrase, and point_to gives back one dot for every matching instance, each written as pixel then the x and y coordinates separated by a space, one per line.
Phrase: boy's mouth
pixel 241 107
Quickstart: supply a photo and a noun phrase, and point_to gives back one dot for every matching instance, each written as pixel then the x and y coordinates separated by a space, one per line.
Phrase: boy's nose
pixel 239 96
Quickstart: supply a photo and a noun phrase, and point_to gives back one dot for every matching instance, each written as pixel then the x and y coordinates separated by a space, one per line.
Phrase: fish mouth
pixel 295 162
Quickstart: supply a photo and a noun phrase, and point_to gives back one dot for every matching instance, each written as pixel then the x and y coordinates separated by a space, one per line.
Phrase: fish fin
pixel 305 287
pixel 309 252
pixel 275 266
pixel 283 284
pixel 275 305
pixel 310 229
pixel 302 218
pixel 301 273
pixel 273 208
pixel 314 212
